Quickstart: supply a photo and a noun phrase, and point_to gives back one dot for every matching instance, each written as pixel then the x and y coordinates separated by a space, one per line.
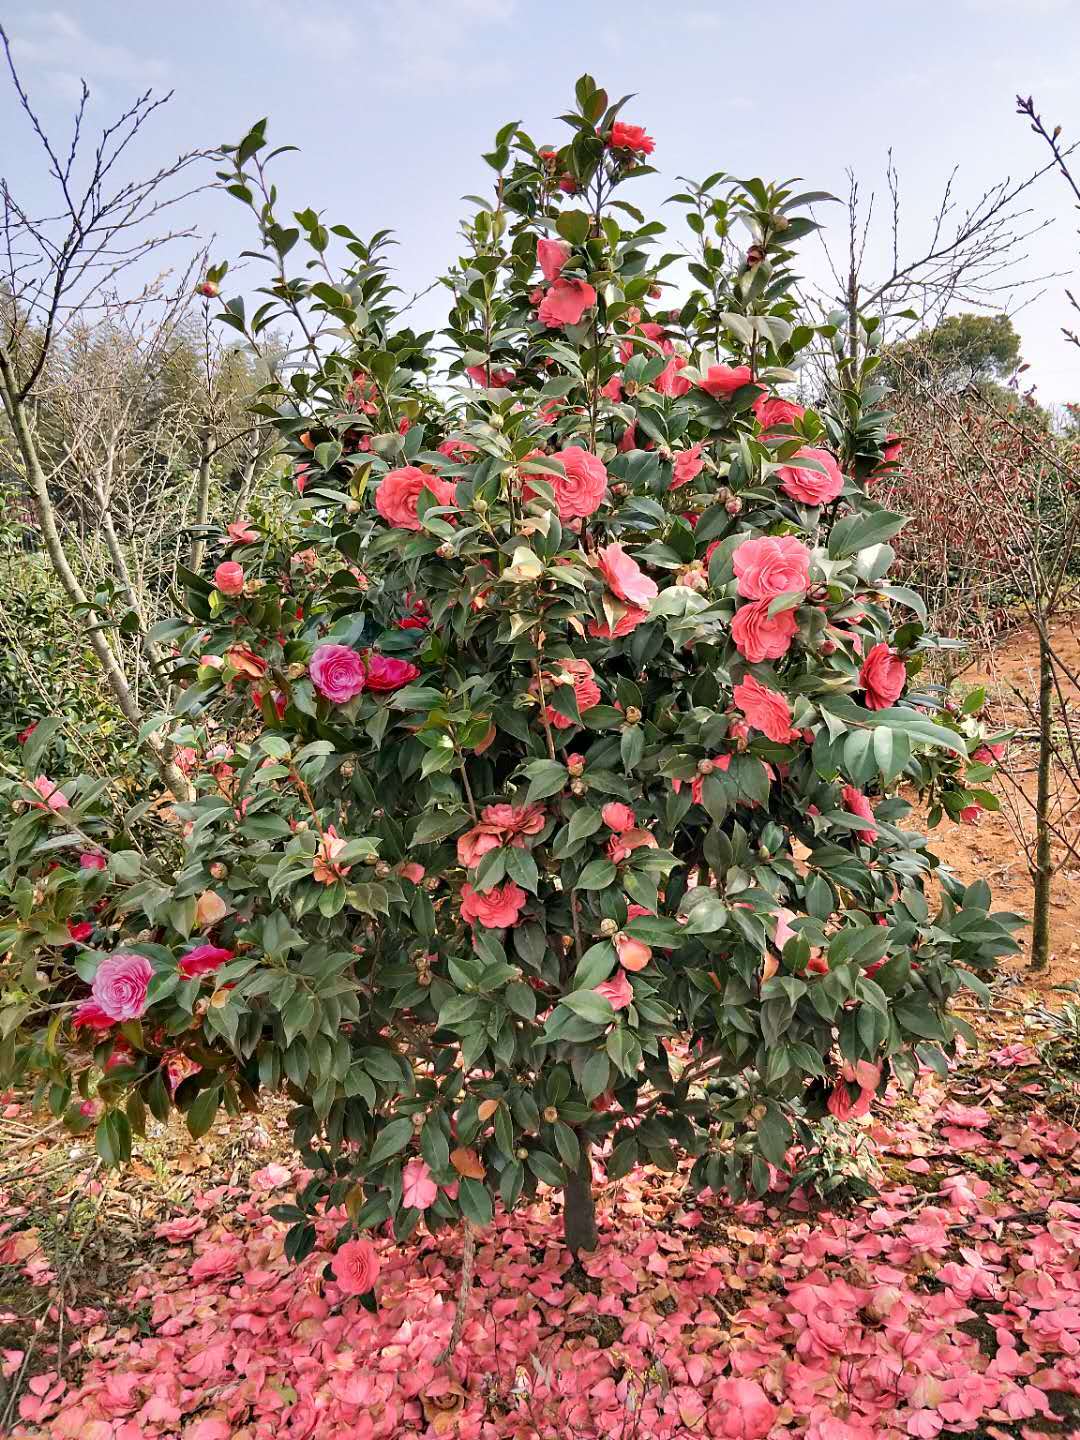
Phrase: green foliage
pixel 546 882
pixel 959 351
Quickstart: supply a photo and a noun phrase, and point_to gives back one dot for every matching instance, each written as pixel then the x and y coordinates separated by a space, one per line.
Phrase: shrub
pixel 535 751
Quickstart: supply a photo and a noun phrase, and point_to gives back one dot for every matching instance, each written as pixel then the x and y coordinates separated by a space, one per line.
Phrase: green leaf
pixel 203 1109
pixel 590 1006
pixel 391 1140
pixel 597 875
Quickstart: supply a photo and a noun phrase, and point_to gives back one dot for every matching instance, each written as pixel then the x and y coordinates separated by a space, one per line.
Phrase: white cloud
pixel 406 43
pixel 54 44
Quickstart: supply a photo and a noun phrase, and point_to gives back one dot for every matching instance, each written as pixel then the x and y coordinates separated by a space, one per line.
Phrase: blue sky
pixel 392 101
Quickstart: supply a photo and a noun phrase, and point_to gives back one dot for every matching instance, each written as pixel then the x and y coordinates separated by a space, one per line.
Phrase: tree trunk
pixel 160 752
pixel 579 1206
pixel 1043 875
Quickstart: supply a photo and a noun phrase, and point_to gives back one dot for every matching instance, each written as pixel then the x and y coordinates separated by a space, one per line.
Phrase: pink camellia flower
pixel 772 410
pixel 92 860
pixel 80 930
pixel 883 676
pixel 475 844
pixel 613 389
pixel 989 754
pixel 490 378
pixel 761 636
pixel 771 565
pixel 565 303
pixel 241 533
pixel 52 797
pixel 669 381
pixel 121 983
pixel 229 578
pixel 515 820
pixel 90 1016
pixel 581 675
pixel 326 868
pixel 338 672
pixel 632 616
pixel 723 380
pixel 812 487
pixel 766 710
pixel 418 1189
pixel 456 449
pixel 618 992
pixel 580 490
pixel 412 872
pixel 245 662
pixel 618 817
pixel 356 1267
pixel 209 909
pixel 495 909
pixel 630 137
pixel 400 490
pixel 648 330
pixel 203 959
pixel 624 576
pixel 688 465
pixel 551 256
pixel 383 673
pixel 633 954
pixel 621 846
pixel 841 1106
pixel 856 803
pixel 969 815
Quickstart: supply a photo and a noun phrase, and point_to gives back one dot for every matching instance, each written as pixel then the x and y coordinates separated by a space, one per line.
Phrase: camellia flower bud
pixel 705 767
pixel 550 1114
pixel 521 1153
pixel 633 715
pixel 827 647
pixel 575 764
pixel 353 507
pixel 608 927
pixel 758 1113
pixel 209 288
pixel 219 870
pixel 733 506
pixel 382 870
pixel 445 551
pixel 578 787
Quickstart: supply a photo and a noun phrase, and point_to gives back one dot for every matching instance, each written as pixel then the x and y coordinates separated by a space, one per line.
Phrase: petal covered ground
pixel 949 1303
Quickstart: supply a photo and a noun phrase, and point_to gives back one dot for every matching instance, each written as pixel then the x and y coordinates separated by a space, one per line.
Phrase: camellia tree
pixel 545 757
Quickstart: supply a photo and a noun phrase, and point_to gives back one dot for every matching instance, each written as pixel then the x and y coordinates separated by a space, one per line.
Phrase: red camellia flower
pixel 812 487
pixel 92 860
pixel 771 565
pixel 565 303
pixel 120 985
pixel 551 256
pixel 883 676
pixel 495 909
pixel 356 1267
pixel 669 381
pixel 203 959
pixel 580 490
pixel 494 379
pixel 80 931
pixel 772 410
pixel 856 803
pixel 229 578
pixel 624 576
pixel 630 618
pixel 723 380
pixel 761 636
pixel 337 672
pixel 24 735
pixel 630 137
pixel 618 817
pixel 580 674
pixel 241 533
pixel 619 993
pixel 766 710
pixel 385 672
pixel 399 491
pixel 90 1016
